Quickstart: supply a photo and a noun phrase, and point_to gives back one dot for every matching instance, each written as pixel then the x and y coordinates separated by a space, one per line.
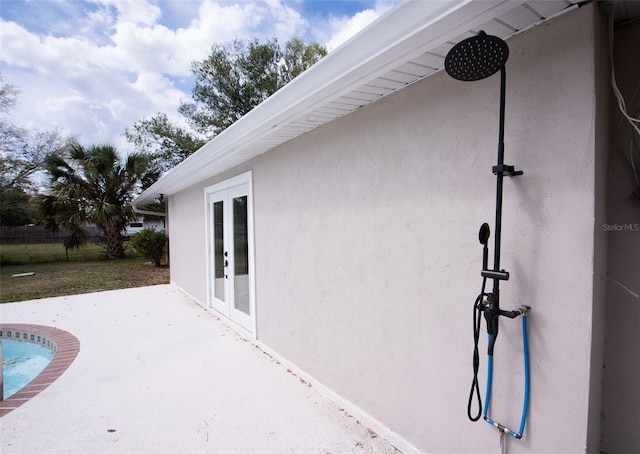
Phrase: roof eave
pixel 406 31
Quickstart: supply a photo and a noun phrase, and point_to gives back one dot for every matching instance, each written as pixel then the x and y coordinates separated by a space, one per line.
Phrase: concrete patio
pixel 158 373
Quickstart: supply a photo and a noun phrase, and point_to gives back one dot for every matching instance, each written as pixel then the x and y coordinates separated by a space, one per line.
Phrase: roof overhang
pixel 407 44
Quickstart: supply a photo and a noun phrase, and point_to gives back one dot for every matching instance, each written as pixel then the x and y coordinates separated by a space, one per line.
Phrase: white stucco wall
pixel 186 241
pixel 367 258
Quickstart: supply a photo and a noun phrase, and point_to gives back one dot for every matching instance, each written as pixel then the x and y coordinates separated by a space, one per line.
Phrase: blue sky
pixel 93 68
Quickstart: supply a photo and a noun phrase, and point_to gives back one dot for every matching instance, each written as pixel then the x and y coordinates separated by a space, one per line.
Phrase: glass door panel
pixel 241 255
pixel 218 250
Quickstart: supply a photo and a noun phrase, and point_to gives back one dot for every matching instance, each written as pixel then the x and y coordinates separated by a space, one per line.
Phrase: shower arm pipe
pixel 493 312
pixel 499 182
pixel 500 170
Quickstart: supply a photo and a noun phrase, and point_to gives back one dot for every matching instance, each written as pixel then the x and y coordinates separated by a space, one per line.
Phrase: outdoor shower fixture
pixel 472 59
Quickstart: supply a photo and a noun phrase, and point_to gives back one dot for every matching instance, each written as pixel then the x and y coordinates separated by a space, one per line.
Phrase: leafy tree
pixel 8 96
pixel 22 153
pixel 235 78
pixel 21 164
pixel 297 57
pixel 238 76
pixel 14 207
pixel 167 143
pixel 92 185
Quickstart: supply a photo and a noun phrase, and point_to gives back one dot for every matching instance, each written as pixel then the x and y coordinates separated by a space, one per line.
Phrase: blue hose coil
pixel 525 405
pixel 525 352
pixel 487 394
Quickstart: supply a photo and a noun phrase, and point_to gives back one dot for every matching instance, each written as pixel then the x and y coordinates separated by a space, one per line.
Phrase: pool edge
pixel 67 349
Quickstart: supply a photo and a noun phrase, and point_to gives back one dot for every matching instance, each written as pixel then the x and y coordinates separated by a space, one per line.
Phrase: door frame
pixel 231 183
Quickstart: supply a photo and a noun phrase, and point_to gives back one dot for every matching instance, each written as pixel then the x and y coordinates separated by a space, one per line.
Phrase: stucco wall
pixel 186 241
pixel 367 258
pixel 621 407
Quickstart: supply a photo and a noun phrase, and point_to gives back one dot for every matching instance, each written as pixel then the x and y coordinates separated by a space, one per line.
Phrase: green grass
pixel 21 254
pixel 86 271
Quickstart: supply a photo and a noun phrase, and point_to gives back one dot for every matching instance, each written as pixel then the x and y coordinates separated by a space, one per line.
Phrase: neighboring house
pixel 337 223
pixel 137 226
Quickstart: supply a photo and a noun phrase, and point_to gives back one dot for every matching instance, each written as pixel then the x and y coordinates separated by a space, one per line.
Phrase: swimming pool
pixel 21 363
pixel 35 356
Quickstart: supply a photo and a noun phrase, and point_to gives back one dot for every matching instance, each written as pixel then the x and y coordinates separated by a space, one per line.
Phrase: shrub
pixel 149 243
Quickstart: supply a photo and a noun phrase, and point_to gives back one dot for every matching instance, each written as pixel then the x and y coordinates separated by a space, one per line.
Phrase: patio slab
pixel 158 373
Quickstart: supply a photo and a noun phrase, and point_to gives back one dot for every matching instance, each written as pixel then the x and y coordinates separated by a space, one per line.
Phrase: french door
pixel 230 250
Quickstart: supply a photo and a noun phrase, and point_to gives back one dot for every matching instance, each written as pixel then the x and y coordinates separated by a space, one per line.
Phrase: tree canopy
pixel 169 144
pixel 22 153
pixel 238 76
pixel 232 80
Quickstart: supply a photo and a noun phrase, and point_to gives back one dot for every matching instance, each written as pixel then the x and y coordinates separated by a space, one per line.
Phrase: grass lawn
pixel 85 272
pixel 23 254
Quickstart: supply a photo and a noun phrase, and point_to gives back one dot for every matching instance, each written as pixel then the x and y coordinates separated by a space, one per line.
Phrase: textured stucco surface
pixel 367 258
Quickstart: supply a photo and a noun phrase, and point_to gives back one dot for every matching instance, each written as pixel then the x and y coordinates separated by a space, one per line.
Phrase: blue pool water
pixel 22 362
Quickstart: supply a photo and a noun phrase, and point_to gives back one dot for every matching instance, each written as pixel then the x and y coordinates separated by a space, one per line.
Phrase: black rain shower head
pixel 477 57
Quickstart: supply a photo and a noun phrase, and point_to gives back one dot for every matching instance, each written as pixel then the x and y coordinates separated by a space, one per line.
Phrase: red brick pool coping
pixel 66 347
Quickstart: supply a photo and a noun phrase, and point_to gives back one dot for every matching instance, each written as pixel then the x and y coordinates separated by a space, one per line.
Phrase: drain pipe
pixel 149 213
pixel 162 214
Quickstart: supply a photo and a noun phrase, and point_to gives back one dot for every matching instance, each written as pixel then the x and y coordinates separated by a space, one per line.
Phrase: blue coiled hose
pixel 525 405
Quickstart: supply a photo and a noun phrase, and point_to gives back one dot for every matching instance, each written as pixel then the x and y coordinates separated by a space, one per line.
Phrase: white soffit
pixel 405 45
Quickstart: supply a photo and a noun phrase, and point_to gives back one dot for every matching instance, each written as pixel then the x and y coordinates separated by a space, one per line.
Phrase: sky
pixel 93 68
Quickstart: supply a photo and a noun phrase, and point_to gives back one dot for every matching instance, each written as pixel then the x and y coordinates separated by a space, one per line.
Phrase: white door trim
pixel 248 324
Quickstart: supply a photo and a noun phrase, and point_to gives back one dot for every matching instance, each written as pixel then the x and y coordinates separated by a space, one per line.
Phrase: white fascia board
pixel 410 29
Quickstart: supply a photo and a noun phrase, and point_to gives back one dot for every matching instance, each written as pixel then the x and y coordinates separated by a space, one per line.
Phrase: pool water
pixel 22 362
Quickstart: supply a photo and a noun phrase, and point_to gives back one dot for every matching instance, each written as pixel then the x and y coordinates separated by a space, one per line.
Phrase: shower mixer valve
pixel 490 307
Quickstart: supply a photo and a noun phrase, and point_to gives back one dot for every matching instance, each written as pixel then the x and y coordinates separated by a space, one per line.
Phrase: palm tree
pixel 92 185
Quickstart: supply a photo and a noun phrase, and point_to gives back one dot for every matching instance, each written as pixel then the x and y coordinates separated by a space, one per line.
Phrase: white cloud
pixel 345 27
pixel 139 12
pixel 119 61
pixel 18 44
pixel 101 18
pixel 159 90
